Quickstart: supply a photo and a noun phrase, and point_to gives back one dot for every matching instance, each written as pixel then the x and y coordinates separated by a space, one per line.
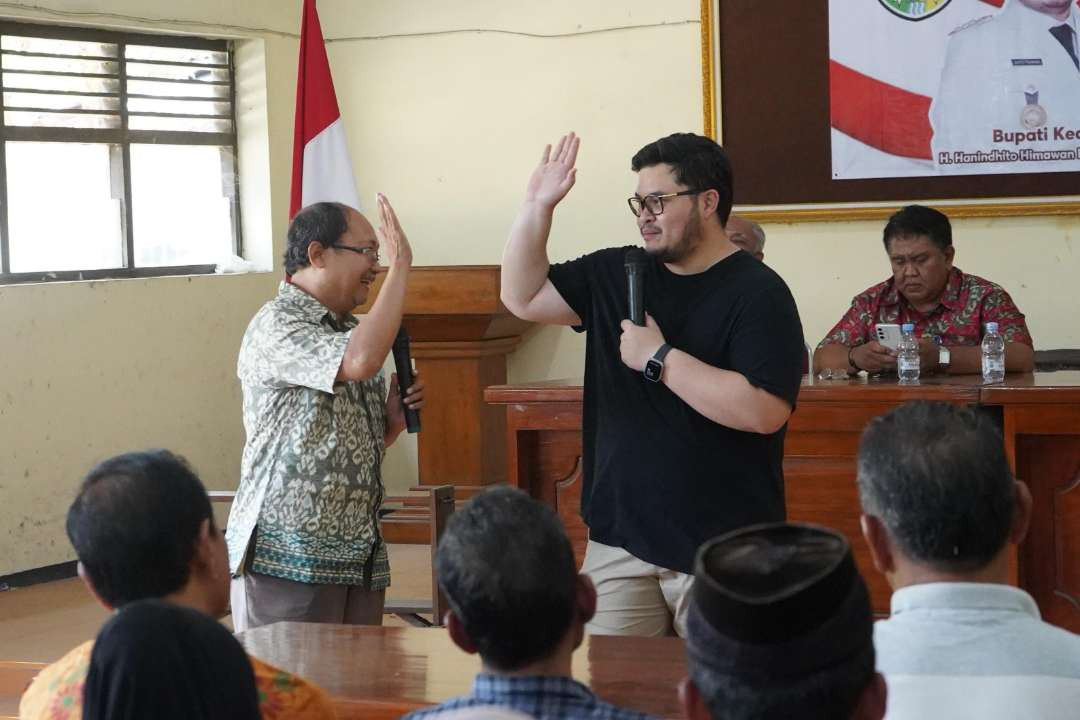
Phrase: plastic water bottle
pixel 907 358
pixel 993 355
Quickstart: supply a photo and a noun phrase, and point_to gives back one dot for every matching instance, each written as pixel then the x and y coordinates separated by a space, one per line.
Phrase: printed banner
pixel 965 87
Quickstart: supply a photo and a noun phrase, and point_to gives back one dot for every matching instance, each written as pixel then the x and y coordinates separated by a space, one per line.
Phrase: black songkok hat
pixel 777 600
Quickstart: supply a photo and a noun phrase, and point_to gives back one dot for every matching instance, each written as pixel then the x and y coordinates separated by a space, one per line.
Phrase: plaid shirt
pixel 542 697
pixel 968 303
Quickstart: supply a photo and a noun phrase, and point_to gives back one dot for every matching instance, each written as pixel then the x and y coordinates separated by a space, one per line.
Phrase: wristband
pixel 851 360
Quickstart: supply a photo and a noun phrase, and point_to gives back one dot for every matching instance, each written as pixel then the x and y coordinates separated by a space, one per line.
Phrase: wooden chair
pixel 14 679
pixel 1049 360
pixel 221 496
pixel 439 509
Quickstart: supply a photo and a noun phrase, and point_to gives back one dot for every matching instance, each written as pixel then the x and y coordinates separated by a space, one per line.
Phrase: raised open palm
pixel 555 174
pixel 392 240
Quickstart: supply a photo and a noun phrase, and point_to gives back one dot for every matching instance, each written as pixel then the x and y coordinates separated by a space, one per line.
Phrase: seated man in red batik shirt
pixel 949 308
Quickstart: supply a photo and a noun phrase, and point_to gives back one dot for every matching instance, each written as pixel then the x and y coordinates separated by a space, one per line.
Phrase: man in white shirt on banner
pixel 1009 99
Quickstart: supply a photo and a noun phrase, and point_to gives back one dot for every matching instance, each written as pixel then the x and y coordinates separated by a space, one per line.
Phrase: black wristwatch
pixel 654 369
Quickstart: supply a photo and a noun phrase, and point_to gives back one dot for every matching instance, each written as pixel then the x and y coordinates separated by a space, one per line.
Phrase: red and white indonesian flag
pixel 885 61
pixel 322 170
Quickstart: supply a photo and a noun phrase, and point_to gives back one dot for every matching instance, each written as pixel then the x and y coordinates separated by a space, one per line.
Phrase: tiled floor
pixel 42 622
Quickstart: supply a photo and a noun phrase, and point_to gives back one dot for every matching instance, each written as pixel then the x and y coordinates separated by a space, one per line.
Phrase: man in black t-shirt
pixel 684 417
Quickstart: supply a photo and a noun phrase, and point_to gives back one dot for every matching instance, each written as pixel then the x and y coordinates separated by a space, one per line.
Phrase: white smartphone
pixel 888 335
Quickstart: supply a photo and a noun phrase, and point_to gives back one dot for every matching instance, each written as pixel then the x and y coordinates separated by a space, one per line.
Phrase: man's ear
pixel 873 700
pixel 693 705
pixel 457 633
pixel 205 557
pixel 316 254
pixel 950 254
pixel 873 531
pixel 710 200
pixel 1021 519
pixel 585 598
pixel 85 577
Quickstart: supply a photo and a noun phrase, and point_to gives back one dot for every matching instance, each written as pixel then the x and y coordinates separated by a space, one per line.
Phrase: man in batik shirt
pixel 303 534
pixel 949 308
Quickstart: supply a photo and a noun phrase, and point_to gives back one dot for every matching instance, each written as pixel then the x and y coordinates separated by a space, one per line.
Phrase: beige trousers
pixel 261 600
pixel 635 597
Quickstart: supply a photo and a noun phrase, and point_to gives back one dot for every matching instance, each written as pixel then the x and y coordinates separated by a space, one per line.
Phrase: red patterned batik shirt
pixel 968 303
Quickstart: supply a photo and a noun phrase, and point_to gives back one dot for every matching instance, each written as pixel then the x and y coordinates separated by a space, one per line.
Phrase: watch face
pixel 653 370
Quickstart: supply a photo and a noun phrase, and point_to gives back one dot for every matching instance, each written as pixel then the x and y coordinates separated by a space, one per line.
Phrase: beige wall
pixel 450 125
pixel 90 369
pixel 447 117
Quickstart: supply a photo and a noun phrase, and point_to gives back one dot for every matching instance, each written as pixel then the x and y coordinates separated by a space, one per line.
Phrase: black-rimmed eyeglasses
pixel 371 250
pixel 654 203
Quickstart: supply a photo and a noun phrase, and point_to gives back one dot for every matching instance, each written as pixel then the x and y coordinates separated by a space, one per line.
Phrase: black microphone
pixel 634 262
pixel 403 365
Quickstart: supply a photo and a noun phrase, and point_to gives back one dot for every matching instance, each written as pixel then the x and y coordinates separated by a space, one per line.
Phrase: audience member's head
pixel 155 659
pixel 507 569
pixel 938 498
pixel 746 235
pixel 780 627
pixel 142 527
pixel 696 162
pixel 918 241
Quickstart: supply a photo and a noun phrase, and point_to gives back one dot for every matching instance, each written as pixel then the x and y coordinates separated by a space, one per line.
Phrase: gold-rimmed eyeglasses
pixel 654 203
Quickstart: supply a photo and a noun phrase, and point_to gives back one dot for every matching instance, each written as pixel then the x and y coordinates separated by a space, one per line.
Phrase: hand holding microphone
pixel 634 261
pixel 403 366
pixel 641 336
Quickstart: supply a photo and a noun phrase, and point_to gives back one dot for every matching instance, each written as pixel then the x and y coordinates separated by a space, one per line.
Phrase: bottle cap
pixel 991 327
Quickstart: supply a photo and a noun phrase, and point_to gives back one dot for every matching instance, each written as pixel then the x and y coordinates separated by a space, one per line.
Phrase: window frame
pixel 121 137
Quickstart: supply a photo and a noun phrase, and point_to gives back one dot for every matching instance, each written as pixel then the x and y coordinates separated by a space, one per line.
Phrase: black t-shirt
pixel 660 478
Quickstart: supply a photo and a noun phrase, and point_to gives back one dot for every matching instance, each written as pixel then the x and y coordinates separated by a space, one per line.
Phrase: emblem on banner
pixel 914 9
pixel 1033 115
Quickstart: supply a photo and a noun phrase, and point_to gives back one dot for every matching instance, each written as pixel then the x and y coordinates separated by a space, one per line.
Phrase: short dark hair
pixel 936 476
pixel 323 222
pixel 134 525
pixel 919 221
pixel 697 162
pixel 508 572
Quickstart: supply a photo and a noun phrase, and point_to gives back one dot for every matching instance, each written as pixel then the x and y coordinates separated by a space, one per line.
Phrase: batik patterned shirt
pixel 968 303
pixel 310 482
pixel 57 692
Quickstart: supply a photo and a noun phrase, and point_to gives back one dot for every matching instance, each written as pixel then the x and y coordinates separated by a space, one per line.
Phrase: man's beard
pixel 685 245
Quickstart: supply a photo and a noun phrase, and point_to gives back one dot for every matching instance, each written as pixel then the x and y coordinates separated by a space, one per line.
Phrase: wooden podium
pixel 461 334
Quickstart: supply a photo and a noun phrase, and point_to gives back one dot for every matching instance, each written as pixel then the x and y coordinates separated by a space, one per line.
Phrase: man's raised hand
pixel 555 174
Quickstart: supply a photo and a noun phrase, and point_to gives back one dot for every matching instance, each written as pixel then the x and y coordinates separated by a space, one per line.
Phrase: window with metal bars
pixel 117 154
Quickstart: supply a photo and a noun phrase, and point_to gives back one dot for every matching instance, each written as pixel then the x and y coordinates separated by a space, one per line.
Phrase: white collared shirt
pixel 975 650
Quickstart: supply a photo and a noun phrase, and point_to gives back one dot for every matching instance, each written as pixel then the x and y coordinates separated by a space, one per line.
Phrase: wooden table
pixel 379 673
pixel 15 677
pixel 1040 419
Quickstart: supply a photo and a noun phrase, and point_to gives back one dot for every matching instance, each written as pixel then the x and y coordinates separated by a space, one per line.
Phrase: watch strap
pixel 661 352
